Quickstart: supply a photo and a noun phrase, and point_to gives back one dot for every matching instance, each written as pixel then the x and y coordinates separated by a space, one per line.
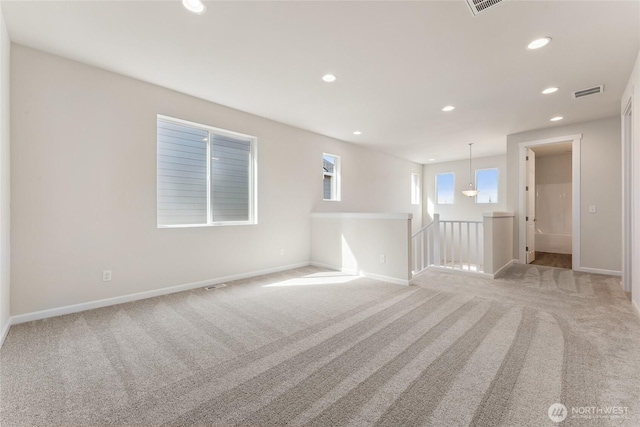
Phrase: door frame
pixel 575 193
pixel 529 195
pixel 628 205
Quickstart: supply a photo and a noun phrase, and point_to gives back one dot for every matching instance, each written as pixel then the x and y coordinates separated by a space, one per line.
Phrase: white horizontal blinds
pixel 182 174
pixel 230 178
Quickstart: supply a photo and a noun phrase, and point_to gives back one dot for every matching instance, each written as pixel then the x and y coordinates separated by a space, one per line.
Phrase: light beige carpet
pixel 319 348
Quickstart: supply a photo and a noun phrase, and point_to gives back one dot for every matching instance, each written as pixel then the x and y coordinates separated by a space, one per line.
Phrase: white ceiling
pixel 397 63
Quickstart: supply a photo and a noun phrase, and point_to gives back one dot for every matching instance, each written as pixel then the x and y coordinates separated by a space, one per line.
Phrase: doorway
pixel 549 205
pixel 550 233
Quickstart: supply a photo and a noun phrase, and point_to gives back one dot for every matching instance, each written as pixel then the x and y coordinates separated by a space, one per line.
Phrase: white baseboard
pixel 327 266
pixel 385 278
pixel 504 267
pixel 5 331
pixel 633 303
pixel 59 311
pixel 599 271
pixel 352 272
pixel 457 271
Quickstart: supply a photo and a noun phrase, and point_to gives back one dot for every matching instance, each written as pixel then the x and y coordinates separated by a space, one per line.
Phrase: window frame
pixel 415 189
pixel 335 183
pixel 252 174
pixel 454 188
pixel 497 186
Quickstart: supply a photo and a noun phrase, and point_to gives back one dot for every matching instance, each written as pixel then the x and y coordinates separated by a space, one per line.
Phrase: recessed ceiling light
pixel 432 160
pixel 555 119
pixel 538 43
pixel 549 90
pixel 194 6
pixel 329 78
pixel 449 108
pixel 357 132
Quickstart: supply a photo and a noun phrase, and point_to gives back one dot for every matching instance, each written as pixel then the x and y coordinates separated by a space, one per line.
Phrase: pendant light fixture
pixel 471 192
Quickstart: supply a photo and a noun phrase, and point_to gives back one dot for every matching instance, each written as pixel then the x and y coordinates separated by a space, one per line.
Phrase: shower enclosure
pixel 553 204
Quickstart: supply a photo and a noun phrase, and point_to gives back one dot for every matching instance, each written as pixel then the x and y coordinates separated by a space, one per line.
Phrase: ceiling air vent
pixel 479 6
pixel 586 92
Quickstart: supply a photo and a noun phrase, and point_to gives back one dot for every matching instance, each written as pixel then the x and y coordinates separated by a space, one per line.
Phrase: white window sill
pixel 216 224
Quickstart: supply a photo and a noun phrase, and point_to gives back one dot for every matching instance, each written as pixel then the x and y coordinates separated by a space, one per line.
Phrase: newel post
pixel 498 241
pixel 436 239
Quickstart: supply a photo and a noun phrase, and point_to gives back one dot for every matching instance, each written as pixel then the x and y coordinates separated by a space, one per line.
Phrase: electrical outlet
pixel 281 251
pixel 383 259
pixel 106 276
pixel 592 209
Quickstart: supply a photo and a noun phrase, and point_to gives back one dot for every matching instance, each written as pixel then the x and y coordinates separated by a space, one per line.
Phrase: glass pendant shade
pixel 470 192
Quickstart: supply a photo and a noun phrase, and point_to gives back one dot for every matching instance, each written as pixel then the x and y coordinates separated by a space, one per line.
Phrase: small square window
pixel 487 185
pixel 444 188
pixel 330 177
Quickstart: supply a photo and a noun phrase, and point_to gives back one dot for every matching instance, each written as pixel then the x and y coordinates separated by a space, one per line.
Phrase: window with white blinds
pixel 205 175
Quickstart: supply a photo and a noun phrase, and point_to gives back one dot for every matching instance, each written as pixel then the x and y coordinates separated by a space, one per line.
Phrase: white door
pixel 531 206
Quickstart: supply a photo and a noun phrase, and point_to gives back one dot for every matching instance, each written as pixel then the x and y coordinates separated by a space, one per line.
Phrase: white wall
pixel 83 188
pixel 354 243
pixel 5 248
pixel 632 91
pixel 463 208
pixel 497 229
pixel 555 169
pixel 601 185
